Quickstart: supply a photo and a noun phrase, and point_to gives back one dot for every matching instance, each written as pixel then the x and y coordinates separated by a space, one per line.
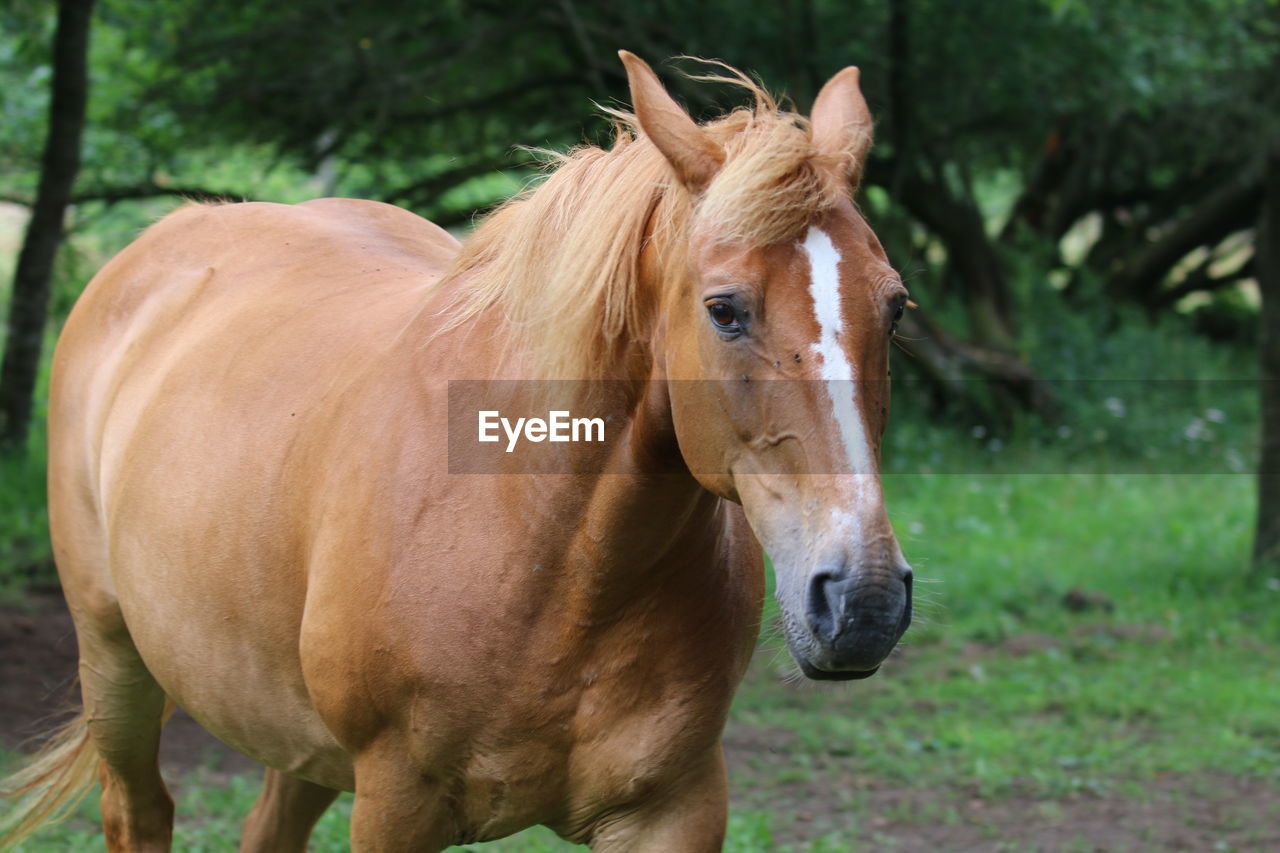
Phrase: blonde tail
pixel 51 784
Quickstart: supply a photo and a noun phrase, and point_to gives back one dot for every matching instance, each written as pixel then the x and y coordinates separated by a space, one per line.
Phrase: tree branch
pixel 951 366
pixel 436 184
pixel 1231 208
pixel 971 256
pixel 112 195
pixel 483 103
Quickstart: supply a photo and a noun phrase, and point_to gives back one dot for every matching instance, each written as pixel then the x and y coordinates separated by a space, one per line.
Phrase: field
pixel 1089 671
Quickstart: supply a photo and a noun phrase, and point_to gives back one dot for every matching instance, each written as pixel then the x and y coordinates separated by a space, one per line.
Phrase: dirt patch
pixel 1151 634
pixel 1181 813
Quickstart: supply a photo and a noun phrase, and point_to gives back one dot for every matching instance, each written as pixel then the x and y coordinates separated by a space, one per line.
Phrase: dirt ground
pixel 1205 813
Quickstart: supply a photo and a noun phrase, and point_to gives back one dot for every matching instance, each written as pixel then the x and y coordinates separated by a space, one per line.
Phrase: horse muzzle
pixel 851 621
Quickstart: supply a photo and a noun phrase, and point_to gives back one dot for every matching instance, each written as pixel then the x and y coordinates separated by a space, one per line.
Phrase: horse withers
pixel 254 515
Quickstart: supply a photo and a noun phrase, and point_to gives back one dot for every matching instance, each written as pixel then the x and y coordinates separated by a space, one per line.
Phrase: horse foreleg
pixel 396 809
pixel 284 815
pixel 687 819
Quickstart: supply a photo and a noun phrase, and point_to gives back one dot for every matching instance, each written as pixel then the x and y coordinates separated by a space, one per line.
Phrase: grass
pixel 1004 690
pixel 24 544
pixel 1000 690
pixel 209 816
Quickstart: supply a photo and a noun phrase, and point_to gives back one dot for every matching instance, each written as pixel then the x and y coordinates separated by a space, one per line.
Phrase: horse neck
pixel 647 517
pixel 646 520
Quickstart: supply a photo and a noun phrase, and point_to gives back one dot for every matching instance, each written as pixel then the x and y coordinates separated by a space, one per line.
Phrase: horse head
pixel 776 323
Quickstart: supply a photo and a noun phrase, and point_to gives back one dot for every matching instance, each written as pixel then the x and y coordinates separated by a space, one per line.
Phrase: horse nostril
pixel 840 609
pixel 854 617
pixel 820 607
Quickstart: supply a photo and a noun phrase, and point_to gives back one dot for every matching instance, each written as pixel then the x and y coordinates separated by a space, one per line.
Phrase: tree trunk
pixel 1266 543
pixel 990 383
pixel 28 308
pixel 899 59
pixel 971 257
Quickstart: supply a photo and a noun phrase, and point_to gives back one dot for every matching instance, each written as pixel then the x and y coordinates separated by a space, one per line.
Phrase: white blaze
pixel 837 373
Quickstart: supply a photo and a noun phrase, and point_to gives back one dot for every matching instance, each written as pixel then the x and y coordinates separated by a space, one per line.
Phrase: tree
pixel 1266 543
pixel 1145 115
pixel 31 283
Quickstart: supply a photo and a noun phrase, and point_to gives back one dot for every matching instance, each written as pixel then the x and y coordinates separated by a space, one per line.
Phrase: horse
pixel 254 516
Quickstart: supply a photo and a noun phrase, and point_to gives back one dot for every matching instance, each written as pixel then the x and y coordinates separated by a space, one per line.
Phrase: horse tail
pixel 51 783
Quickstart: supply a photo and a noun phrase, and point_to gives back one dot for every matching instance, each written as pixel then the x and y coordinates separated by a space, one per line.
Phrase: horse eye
pixel 897 316
pixel 723 315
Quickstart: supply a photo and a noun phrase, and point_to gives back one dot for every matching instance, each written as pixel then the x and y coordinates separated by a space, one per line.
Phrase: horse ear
pixel 695 156
pixel 842 122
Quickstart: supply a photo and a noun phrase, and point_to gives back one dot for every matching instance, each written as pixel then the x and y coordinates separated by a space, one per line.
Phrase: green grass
pixel 1001 690
pixel 209 816
pixel 208 822
pixel 24 543
pixel 1004 690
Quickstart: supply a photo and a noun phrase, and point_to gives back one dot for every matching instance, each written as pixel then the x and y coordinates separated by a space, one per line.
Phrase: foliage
pixel 25 553
pixel 1132 113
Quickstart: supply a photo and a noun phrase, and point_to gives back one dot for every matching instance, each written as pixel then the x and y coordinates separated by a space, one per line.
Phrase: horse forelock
pixel 561 262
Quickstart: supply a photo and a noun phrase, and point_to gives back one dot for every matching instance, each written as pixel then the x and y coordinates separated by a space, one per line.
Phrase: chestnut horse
pixel 254 516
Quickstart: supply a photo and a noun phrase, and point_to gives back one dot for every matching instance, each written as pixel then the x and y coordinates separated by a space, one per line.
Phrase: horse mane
pixel 562 261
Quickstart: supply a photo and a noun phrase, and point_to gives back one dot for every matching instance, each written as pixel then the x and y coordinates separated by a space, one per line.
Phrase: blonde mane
pixel 562 261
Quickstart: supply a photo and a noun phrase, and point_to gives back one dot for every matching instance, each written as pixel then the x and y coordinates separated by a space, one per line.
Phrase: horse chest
pixel 572 763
